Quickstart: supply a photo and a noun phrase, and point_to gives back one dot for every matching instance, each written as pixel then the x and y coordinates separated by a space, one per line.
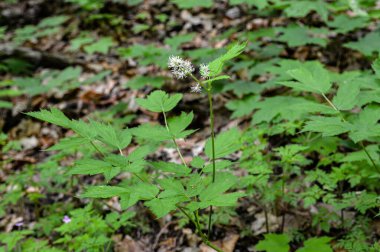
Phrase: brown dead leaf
pixel 227 244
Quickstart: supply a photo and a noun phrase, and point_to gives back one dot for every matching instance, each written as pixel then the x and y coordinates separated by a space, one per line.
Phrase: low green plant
pixel 188 187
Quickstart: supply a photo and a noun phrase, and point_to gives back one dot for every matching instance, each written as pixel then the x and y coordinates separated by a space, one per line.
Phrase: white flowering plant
pixel 192 188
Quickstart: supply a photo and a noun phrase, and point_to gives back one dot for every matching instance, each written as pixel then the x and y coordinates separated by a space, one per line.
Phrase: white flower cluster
pixel 204 71
pixel 180 67
pixel 196 88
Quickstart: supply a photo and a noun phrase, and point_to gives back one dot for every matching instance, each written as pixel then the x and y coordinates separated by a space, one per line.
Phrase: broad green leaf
pixel 54 116
pixel 142 81
pixel 320 244
pixel 93 166
pixel 159 101
pixel 197 162
pixel 216 65
pixel 243 107
pixel 313 78
pixel 104 191
pixel 274 243
pixel 218 187
pixel 177 125
pixel 176 41
pixel 219 165
pixel 344 23
pixel 151 132
pixel 346 97
pixel 225 143
pixel 172 188
pixel 328 126
pixel 118 139
pixel 171 167
pixel 365 126
pixel 102 45
pixel 366 45
pixel 161 207
pixel 302 8
pixel 295 35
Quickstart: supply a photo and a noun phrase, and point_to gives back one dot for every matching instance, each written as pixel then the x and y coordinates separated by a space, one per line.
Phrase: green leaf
pixel 118 139
pixel 171 167
pixel 193 3
pixel 313 78
pixel 159 101
pixel 176 41
pixel 302 8
pixel 328 126
pixel 172 188
pixel 274 243
pixel 320 244
pixel 221 77
pixel 214 194
pixel 161 207
pixel 54 116
pixel 177 125
pixel 346 97
pixel 219 165
pixel 367 45
pixel 104 191
pixel 376 67
pixel 225 144
pixel 295 35
pixel 93 166
pixel 151 132
pixel 142 81
pixel 101 46
pixel 365 126
pixel 216 65
pixel 344 24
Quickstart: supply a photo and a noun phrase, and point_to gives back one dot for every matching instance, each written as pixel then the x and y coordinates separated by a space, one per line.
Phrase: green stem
pixel 361 144
pixel 174 141
pixel 209 94
pixel 199 229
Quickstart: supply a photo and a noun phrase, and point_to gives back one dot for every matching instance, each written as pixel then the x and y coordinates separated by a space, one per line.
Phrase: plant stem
pixel 361 144
pixel 209 94
pixel 174 141
pixel 199 229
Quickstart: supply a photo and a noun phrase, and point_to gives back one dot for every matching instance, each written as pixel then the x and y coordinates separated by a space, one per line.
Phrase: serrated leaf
pixel 159 101
pixel 313 78
pixel 328 126
pixel 365 126
pixel 171 167
pixel 274 243
pixel 161 207
pixel 197 162
pixel 216 65
pixel 172 188
pixel 346 97
pixel 93 166
pixel 366 45
pixel 302 8
pixel 225 143
pixel 104 191
pixel 320 244
pixel 113 137
pixel 151 132
pixel 177 125
pixel 54 116
pixel 219 165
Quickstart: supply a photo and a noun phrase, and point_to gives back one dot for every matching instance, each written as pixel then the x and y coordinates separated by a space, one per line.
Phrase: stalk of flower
pixel 181 69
